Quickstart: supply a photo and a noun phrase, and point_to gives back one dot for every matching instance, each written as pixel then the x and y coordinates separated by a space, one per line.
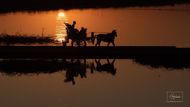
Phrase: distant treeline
pixel 40 5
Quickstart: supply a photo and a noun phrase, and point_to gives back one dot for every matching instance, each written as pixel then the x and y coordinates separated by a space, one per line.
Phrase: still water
pixel 135 26
pixel 93 83
pixel 90 82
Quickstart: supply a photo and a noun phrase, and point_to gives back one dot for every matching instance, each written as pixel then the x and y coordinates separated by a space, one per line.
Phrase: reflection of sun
pixel 60 26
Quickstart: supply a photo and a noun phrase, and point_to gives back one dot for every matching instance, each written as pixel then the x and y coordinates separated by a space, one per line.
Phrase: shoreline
pixel 117 52
pixel 154 56
pixel 36 5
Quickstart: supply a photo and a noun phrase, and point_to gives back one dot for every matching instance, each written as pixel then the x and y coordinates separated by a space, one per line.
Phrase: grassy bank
pixel 6 39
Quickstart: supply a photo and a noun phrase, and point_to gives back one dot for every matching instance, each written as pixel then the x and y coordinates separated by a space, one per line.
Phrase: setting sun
pixel 61 14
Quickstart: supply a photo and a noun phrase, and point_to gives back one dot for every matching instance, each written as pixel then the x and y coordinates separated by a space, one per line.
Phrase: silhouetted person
pixel 69 26
pixel 73 33
pixel 73 25
pixel 82 31
pixel 83 35
pixel 92 37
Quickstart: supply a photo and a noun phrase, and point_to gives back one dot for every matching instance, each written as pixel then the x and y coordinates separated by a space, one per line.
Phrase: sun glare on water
pixel 60 26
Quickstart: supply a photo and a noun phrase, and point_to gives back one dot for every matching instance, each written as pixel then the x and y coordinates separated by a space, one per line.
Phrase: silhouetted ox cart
pixel 78 37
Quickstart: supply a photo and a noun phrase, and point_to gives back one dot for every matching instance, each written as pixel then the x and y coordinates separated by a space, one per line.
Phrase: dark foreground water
pixel 81 83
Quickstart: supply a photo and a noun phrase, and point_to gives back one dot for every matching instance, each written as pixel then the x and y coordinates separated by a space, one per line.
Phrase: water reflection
pixel 108 67
pixel 73 68
pixel 60 26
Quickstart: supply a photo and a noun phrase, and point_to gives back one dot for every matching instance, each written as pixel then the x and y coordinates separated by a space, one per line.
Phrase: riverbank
pixel 154 56
pixel 51 52
pixel 44 5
